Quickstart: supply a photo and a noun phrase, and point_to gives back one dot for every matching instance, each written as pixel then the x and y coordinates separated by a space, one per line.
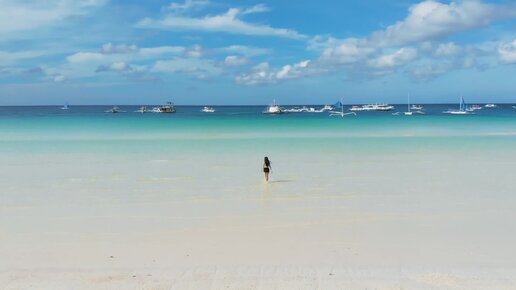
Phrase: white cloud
pixel 195 51
pixel 234 60
pixel 400 57
pixel 26 15
pixel 507 52
pixel 352 50
pixel 260 8
pixel 151 51
pixel 85 57
pixel 260 74
pixel 292 71
pixel 447 49
pixel 109 48
pixel 245 50
pixel 429 71
pixel 433 20
pixel 228 22
pixel 187 5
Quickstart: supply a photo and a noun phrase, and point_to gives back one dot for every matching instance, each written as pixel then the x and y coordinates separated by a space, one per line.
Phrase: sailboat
pixel 408 112
pixel 462 109
pixel 341 113
pixel 65 106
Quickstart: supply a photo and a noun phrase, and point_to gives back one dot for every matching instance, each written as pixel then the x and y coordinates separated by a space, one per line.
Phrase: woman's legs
pixel 266 176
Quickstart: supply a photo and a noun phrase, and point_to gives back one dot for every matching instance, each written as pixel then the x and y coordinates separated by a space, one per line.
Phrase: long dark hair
pixel 266 161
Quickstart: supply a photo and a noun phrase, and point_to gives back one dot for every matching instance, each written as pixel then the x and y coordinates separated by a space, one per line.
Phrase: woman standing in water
pixel 266 168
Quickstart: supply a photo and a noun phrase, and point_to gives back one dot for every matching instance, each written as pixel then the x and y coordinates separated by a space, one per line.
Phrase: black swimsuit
pixel 266 169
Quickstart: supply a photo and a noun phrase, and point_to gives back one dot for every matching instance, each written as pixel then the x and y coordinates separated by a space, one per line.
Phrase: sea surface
pixel 49 129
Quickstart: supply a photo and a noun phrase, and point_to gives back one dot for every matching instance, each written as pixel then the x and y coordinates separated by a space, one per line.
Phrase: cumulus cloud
pixel 398 46
pixel 234 60
pixel 260 74
pixel 350 51
pixel 187 5
pixel 195 51
pixel 229 22
pixel 447 49
pixel 430 20
pixel 109 48
pixel 248 51
pixel 507 52
pixel 263 74
pixel 400 57
pixel 85 57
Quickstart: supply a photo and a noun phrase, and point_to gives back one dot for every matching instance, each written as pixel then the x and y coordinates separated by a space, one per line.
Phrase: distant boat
pixel 341 113
pixel 273 109
pixel 142 109
pixel 168 108
pixel 408 112
pixel 114 110
pixel 375 107
pixel 462 109
pixel 65 106
pixel 208 110
pixel 473 108
pixel 416 107
pixel 490 106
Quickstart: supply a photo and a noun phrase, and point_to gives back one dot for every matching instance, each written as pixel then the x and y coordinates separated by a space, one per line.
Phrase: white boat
pixel 142 109
pixel 273 109
pixel 341 113
pixel 65 106
pixel 490 106
pixel 461 111
pixel 473 108
pixel 168 108
pixel 408 112
pixel 114 110
pixel 514 107
pixel 370 107
pixel 416 107
pixel 327 108
pixel 208 110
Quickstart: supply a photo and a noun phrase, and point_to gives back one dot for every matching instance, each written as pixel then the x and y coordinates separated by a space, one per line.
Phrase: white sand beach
pixel 208 221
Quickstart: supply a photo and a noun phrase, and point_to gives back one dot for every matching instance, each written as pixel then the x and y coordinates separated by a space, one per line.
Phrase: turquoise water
pixel 90 129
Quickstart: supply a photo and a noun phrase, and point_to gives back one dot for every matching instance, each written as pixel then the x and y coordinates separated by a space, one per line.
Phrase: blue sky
pixel 250 52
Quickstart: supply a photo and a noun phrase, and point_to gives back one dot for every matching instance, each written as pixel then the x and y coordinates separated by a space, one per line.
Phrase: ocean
pixel 85 128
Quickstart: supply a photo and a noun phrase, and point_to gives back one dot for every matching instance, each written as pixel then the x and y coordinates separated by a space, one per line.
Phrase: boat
pixel 514 107
pixel 370 107
pixel 341 113
pixel 273 109
pixel 168 108
pixel 490 106
pixel 65 106
pixel 473 108
pixel 408 112
pixel 327 108
pixel 208 110
pixel 462 109
pixel 114 110
pixel 416 107
pixel 142 109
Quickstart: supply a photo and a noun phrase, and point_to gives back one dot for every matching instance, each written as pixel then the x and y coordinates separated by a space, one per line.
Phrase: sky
pixel 221 52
